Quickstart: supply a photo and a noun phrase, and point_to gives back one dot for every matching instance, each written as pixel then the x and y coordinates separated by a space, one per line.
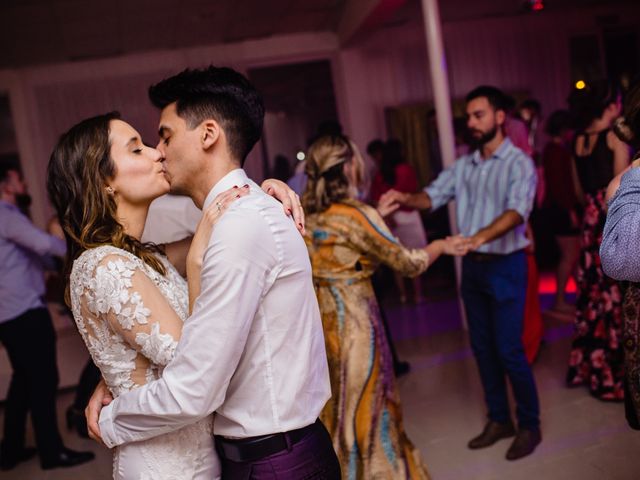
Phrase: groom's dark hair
pixel 219 93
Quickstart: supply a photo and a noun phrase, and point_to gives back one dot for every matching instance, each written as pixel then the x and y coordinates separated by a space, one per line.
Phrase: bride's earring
pixel 110 190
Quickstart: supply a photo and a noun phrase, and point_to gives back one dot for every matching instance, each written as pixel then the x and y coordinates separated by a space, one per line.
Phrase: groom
pixel 253 349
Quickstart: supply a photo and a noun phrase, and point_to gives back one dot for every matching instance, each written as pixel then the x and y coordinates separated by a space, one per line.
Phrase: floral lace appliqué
pixel 100 288
pixel 156 346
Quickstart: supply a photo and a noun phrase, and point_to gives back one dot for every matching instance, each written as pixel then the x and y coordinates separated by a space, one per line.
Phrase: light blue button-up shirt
pixel 23 252
pixel 485 189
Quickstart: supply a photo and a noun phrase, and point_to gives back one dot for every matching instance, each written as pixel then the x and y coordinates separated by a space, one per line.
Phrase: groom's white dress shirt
pixel 253 350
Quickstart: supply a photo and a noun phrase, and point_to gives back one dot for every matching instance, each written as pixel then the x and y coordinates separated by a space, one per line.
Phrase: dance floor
pixel 583 438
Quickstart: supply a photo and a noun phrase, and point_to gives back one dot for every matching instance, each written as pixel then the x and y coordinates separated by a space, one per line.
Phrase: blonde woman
pixel 347 240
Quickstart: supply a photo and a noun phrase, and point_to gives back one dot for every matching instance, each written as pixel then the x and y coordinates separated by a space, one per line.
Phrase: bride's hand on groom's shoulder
pixel 100 398
pixel 289 199
pixel 210 216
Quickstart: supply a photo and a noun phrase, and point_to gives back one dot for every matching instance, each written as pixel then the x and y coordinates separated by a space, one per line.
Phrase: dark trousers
pixel 30 342
pixel 89 379
pixel 311 458
pixel 494 291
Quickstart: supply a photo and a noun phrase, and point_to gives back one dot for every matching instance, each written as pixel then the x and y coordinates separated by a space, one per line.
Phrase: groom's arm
pixel 195 383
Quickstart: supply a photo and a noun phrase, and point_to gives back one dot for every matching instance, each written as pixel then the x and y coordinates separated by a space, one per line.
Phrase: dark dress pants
pixel 494 291
pixel 30 342
pixel 312 458
pixel 89 379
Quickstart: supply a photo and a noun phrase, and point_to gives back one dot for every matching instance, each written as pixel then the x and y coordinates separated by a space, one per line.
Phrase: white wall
pixel 47 100
pixel 285 134
pixel 387 68
pixel 523 53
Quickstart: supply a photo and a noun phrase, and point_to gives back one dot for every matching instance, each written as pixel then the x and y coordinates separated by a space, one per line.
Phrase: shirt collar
pixel 501 152
pixel 236 177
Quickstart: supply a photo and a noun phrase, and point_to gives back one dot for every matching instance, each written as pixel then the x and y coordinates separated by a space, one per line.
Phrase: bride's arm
pixel 177 251
pixel 126 298
pixel 200 241
pixel 134 307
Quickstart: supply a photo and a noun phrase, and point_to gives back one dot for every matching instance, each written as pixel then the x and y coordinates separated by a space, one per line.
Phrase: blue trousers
pixel 494 291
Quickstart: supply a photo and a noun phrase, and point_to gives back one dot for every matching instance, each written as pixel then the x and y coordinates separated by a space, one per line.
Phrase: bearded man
pixel 494 188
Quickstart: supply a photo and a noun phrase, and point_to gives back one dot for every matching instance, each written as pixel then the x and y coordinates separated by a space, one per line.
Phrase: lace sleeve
pixel 123 294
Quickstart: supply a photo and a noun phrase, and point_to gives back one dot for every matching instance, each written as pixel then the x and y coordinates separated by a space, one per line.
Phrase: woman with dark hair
pixel 596 354
pixel 128 298
pixel 620 252
pixel 562 202
pixel 347 240
pixel 405 223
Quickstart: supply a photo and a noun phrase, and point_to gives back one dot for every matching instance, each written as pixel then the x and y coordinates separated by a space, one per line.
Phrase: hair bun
pixel 623 130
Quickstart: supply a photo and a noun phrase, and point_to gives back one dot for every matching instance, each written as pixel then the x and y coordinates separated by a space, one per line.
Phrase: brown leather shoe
pixel 524 444
pixel 493 431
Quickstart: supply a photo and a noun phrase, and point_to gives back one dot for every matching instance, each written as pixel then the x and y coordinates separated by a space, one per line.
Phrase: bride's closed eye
pixel 138 150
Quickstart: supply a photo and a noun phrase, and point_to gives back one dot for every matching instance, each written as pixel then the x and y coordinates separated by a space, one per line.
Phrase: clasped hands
pixel 457 245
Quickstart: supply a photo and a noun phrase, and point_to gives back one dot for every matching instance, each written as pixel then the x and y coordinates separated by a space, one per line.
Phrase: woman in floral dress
pixel 597 358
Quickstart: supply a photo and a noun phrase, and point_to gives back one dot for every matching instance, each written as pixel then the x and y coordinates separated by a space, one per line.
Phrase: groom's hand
pixel 101 397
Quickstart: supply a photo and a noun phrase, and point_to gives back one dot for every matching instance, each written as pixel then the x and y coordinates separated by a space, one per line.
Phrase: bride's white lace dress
pixel 129 316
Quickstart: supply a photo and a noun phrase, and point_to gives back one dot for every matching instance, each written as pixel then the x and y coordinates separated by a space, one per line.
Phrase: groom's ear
pixel 210 133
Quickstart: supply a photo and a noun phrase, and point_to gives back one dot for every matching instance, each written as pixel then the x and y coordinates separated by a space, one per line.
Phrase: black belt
pixel 484 257
pixel 488 257
pixel 255 448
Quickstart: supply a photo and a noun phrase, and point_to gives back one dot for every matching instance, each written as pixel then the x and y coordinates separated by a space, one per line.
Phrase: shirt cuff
pixel 434 197
pixel 107 430
pixel 521 210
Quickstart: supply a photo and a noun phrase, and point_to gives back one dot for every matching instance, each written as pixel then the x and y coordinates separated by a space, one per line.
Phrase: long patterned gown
pixel 121 306
pixel 346 243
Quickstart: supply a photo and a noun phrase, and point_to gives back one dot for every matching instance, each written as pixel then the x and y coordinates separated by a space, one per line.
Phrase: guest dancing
pixel 494 188
pixel 562 203
pixel 347 240
pixel 620 250
pixel 596 352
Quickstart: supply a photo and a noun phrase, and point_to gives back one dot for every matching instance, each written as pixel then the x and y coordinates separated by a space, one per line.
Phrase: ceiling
pixel 45 31
pixel 49 31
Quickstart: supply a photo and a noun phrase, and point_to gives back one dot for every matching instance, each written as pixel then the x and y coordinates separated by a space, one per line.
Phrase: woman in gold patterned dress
pixel 347 240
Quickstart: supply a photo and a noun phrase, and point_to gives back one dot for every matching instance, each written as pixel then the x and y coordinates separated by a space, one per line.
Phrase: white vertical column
pixel 442 104
pixel 439 80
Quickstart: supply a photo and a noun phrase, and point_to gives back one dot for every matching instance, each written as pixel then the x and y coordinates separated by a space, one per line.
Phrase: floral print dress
pixel 597 357
pixel 364 417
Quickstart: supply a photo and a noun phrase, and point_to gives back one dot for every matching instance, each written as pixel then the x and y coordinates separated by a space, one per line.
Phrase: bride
pixel 129 299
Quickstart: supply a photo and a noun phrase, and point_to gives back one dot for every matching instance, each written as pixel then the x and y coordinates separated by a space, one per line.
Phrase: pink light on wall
pixel 537 5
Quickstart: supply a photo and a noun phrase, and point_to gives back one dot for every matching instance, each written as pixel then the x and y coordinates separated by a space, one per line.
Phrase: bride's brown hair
pixel 79 169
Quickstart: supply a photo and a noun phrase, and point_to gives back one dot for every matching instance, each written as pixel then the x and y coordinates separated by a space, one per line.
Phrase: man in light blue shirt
pixel 27 334
pixel 494 188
